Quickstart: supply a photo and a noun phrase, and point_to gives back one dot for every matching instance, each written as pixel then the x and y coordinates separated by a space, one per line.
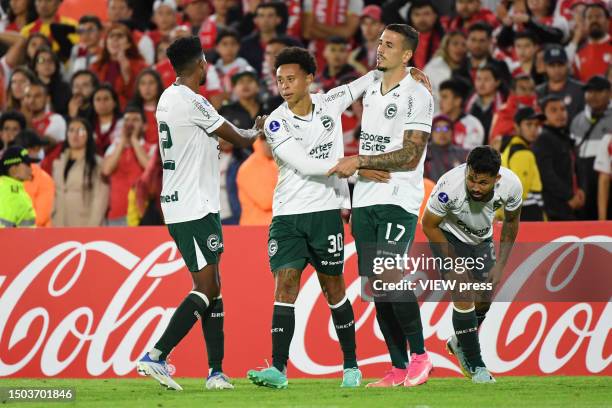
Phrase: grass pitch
pixel 551 391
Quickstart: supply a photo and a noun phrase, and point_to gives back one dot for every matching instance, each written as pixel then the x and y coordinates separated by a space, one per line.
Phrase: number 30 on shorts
pixel 336 243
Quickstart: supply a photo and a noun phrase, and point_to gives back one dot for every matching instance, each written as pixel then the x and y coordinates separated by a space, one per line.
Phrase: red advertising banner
pixel 89 302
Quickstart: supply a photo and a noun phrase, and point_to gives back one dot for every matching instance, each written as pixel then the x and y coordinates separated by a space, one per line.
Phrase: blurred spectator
pixel 603 165
pixel 243 112
pixel 124 162
pixel 256 182
pixel 47 67
pixel 525 48
pixel 11 123
pixel 487 98
pixel 219 20
pixel 107 117
pixel 267 20
pixel 20 79
pixel 594 56
pixel 81 194
pixel 518 157
pixel 195 12
pixel 40 187
pixel 479 45
pixel 538 17
pixel 59 29
pixel 587 130
pixel 554 155
pixel 34 43
pixel 144 206
pixel 120 62
pixel 522 95
pixel 559 82
pixel 468 12
pixel 19 14
pixel 160 50
pixel 336 67
pixel 449 57
pixel 442 155
pixel 165 19
pixel 272 99
pixel 467 129
pixel 149 88
pixel 83 84
pixel 89 48
pixel 363 58
pixel 122 11
pixel 16 209
pixel 11 58
pixel 230 160
pixel 229 63
pixel 424 17
pixel 327 18
pixel 50 126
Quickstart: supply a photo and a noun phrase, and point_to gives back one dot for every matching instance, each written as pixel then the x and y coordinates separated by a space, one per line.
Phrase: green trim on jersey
pixel 316 238
pixel 200 242
pixel 381 230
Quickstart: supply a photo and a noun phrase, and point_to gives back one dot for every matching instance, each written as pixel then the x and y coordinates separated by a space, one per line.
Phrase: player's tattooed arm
pixel 406 158
pixel 509 232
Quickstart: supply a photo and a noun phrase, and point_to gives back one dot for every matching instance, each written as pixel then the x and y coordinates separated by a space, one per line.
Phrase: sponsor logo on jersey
pixel 328 123
pixel 213 243
pixel 335 96
pixel 391 111
pixel 409 106
pixel 443 198
pixel 468 230
pixel 373 143
pixel 274 126
pixel 396 94
pixel 272 247
pixel 321 151
pixel 202 109
pixel 168 198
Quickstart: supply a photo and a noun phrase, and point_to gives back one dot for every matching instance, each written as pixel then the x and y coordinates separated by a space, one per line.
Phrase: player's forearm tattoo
pixel 406 158
pixel 508 234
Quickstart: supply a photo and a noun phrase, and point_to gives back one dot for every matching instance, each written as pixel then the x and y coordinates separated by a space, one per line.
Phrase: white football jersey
pixel 408 106
pixel 190 154
pixel 320 135
pixel 468 220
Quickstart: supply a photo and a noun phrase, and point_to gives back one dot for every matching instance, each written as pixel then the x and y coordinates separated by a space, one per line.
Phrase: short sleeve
pixel 515 194
pixel 603 160
pixel 204 115
pixel 439 199
pixel 276 131
pixel 419 113
pixel 341 97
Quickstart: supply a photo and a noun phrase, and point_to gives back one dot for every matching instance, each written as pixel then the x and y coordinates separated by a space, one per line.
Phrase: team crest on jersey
pixel 213 242
pixel 274 126
pixel 328 123
pixel 272 247
pixel 443 198
pixel 390 111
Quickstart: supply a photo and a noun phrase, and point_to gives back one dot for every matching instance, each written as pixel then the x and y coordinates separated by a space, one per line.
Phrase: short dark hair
pixel 481 26
pixel 526 34
pixel 94 78
pixel 411 36
pixel 297 55
pixel 132 108
pixel 38 82
pixel 336 39
pixel 484 160
pixel 549 98
pixel 228 32
pixel 518 78
pixel 184 52
pixel 90 18
pixel 15 116
pixel 268 5
pixel 283 40
pixel 457 86
pixel 492 69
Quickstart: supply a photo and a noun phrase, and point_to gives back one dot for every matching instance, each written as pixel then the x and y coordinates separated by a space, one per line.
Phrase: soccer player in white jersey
pixel 395 128
pixel 189 128
pixel 458 222
pixel 305 135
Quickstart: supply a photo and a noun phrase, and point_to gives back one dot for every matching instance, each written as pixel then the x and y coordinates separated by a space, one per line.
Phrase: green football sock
pixel 212 326
pixel 466 330
pixel 344 322
pixel 283 325
pixel 190 310
pixel 392 333
pixel 408 316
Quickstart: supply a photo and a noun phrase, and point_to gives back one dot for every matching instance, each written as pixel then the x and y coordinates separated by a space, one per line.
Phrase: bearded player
pixel 189 128
pixel 458 222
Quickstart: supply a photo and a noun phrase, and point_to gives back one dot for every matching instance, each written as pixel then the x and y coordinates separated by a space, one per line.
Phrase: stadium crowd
pixel 78 98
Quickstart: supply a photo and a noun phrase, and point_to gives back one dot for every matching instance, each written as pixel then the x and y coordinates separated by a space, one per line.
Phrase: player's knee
pixel 286 292
pixel 211 290
pixel 333 293
pixel 482 308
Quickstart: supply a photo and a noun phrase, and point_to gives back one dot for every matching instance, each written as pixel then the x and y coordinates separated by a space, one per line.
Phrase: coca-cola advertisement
pixel 82 303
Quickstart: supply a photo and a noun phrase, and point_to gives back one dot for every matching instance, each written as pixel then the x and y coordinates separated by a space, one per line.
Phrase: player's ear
pixel 309 79
pixel 407 57
pixel 497 178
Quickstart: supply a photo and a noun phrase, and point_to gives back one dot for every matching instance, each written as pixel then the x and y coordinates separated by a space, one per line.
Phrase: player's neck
pixel 192 83
pixel 393 77
pixel 302 107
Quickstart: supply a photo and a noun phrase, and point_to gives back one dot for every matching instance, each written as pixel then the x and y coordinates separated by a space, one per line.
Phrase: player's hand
pixel 379 176
pixel 420 76
pixel 259 122
pixel 495 275
pixel 346 167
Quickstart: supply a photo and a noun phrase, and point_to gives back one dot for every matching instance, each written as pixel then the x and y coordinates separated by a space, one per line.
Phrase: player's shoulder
pixel 453 181
pixel 509 180
pixel 275 120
